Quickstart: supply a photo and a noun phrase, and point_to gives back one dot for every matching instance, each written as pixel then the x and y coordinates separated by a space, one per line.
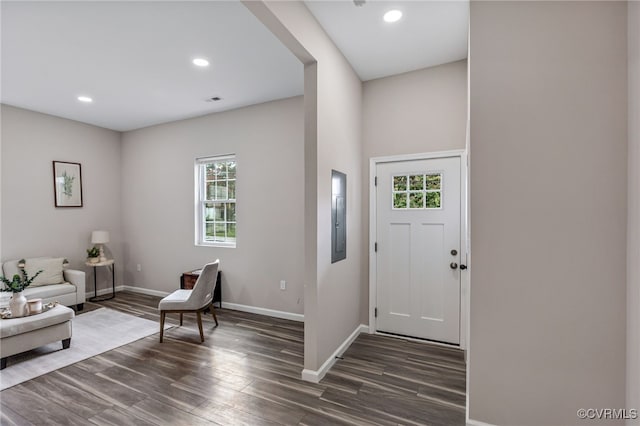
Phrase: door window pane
pixel 417 191
pixel 416 200
pixel 400 200
pixel 416 182
pixel 433 200
pixel 399 183
pixel 433 181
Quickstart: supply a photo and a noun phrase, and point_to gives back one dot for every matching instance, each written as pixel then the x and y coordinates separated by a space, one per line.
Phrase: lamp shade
pixel 99 237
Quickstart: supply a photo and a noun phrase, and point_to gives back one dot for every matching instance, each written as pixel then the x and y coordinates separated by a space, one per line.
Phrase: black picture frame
pixel 67 184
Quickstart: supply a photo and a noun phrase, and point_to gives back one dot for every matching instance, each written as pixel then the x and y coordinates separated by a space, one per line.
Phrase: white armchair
pixel 197 300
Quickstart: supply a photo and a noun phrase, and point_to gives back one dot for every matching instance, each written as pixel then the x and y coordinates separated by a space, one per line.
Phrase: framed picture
pixel 67 184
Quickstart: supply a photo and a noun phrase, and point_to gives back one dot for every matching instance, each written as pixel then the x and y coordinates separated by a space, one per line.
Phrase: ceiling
pixel 429 33
pixel 134 59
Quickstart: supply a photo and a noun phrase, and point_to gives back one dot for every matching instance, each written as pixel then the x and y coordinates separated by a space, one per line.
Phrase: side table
pixel 107 263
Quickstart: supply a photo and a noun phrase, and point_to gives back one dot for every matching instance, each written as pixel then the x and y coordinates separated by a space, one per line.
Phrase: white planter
pixel 18 305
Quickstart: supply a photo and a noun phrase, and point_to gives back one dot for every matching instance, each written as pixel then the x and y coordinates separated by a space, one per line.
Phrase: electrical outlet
pixel 139 267
pixel 283 285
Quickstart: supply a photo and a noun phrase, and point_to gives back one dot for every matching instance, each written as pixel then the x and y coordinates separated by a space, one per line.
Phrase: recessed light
pixel 85 99
pixel 201 62
pixel 392 16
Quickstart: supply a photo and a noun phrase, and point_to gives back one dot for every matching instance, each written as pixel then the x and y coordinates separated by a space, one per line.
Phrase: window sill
pixel 222 245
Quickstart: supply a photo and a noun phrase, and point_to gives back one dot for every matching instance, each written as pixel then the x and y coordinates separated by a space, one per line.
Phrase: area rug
pixel 93 333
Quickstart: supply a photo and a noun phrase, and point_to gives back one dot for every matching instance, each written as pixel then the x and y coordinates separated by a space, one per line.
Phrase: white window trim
pixel 197 207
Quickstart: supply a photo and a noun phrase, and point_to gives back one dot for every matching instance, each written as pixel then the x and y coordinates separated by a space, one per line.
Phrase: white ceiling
pixel 430 33
pixel 134 58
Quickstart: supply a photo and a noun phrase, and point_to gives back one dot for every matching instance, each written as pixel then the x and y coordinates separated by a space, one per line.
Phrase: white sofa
pixel 68 290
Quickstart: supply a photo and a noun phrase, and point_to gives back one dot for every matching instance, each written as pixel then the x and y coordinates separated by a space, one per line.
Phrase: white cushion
pixel 10 268
pixel 15 326
pixel 51 270
pixel 49 291
pixel 175 300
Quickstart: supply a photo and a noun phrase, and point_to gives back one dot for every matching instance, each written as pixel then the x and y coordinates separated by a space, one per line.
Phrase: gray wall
pixel 415 112
pixel 31 224
pixel 633 216
pixel 419 111
pixel 158 203
pixel 333 140
pixel 548 210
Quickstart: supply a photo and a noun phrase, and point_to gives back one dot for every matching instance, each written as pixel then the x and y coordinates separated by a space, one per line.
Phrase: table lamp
pixel 100 237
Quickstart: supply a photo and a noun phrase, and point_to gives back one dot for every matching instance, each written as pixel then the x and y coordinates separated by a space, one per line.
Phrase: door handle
pixel 453 265
pixel 463 267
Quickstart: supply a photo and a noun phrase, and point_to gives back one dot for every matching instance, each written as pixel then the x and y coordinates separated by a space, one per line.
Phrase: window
pixel 419 191
pixel 216 201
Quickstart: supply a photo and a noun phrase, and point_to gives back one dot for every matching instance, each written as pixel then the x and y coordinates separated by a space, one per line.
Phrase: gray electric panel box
pixel 338 216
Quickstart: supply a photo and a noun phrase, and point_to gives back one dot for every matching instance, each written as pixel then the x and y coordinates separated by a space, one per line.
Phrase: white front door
pixel 418 248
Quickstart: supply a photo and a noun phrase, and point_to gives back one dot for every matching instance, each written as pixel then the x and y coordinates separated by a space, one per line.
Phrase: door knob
pixel 453 265
pixel 463 267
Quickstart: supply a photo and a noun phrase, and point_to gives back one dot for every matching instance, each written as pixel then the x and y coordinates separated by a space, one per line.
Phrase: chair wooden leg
pixel 213 312
pixel 181 318
pixel 200 326
pixel 162 314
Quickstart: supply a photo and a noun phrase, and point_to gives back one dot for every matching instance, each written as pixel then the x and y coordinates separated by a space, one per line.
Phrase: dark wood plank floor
pixel 247 372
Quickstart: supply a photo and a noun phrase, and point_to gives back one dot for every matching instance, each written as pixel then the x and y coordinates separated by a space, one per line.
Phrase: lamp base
pixel 103 258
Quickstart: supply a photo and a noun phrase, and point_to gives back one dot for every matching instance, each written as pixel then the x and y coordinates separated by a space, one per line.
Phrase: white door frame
pixel 464 226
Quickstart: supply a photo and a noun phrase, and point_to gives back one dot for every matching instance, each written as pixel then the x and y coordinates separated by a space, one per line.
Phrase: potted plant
pixel 93 254
pixel 18 304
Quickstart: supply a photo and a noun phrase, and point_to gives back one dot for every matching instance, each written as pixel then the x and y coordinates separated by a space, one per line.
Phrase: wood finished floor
pixel 247 372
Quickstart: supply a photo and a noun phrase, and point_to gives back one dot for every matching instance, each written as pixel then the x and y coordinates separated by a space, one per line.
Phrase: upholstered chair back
pixel 202 293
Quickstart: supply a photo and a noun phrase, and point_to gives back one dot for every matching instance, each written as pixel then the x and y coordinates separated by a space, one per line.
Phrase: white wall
pixel 158 203
pixel 633 215
pixel 548 211
pixel 333 126
pixel 415 112
pixel 31 225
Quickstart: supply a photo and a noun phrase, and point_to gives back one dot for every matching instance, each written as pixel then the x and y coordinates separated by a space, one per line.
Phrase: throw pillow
pixel 51 270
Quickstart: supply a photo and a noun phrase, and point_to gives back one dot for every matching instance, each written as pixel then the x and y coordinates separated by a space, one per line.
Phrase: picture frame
pixel 67 184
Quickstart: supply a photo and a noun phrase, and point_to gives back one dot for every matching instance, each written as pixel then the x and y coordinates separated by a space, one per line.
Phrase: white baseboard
pixel 315 376
pixel 130 288
pixel 264 311
pixel 103 291
pixel 471 422
pixel 225 305
pixel 146 291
